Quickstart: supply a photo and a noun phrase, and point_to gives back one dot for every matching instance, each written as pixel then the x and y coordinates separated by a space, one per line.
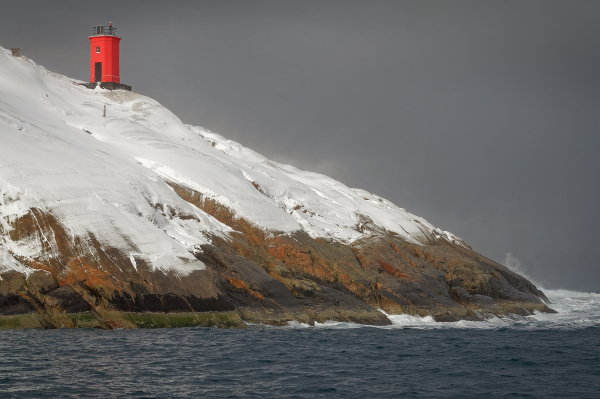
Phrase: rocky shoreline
pixel 257 276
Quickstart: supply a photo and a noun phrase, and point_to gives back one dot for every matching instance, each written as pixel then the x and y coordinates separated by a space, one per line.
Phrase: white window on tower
pixel 98 49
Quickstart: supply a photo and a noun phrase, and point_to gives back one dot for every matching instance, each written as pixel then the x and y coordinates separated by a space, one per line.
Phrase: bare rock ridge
pixel 137 220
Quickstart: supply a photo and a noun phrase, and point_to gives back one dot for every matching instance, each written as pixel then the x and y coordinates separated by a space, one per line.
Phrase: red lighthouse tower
pixel 104 59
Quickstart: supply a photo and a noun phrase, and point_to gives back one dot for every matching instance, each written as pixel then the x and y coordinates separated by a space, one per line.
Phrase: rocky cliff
pixel 138 220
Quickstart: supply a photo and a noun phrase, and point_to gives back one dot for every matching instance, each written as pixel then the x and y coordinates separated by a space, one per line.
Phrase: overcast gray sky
pixel 483 117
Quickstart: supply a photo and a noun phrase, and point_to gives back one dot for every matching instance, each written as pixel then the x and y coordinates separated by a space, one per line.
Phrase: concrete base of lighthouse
pixel 106 86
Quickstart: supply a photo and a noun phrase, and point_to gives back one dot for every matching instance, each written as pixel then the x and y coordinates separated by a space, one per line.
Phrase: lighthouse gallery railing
pixel 104 31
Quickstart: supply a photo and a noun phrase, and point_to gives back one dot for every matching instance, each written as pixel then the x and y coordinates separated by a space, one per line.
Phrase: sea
pixel 541 356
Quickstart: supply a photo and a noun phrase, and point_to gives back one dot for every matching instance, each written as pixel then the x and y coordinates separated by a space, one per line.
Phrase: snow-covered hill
pixel 136 219
pixel 107 176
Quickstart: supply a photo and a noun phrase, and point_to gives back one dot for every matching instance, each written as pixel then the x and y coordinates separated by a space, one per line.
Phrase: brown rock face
pixel 76 275
pixel 444 280
pixel 254 276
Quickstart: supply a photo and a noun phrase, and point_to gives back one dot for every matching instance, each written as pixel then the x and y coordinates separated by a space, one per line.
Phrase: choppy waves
pixel 542 356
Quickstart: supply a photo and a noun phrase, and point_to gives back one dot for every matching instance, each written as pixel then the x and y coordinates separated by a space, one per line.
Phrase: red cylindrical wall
pixel 105 49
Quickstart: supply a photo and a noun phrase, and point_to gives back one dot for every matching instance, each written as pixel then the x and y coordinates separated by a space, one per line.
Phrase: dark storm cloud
pixel 482 117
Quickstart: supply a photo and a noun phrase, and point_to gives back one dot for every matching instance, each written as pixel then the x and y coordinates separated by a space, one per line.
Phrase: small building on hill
pixel 104 59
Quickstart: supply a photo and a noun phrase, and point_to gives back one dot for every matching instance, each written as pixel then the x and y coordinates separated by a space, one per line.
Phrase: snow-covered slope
pixel 106 177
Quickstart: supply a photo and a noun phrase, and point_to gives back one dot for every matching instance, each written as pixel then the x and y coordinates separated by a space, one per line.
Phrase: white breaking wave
pixel 575 310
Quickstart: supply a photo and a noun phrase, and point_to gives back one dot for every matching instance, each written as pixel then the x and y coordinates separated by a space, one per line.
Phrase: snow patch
pixel 8 263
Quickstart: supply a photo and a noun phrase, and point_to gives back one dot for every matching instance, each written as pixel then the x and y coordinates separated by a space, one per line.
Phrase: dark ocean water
pixel 545 356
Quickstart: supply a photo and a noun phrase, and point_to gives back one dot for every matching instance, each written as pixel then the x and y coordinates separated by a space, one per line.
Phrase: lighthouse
pixel 104 59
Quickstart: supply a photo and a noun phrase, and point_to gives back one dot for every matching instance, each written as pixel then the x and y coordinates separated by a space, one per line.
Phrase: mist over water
pixel 545 355
pixel 516 266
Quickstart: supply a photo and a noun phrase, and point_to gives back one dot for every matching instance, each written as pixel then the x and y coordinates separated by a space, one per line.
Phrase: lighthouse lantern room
pixel 104 59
